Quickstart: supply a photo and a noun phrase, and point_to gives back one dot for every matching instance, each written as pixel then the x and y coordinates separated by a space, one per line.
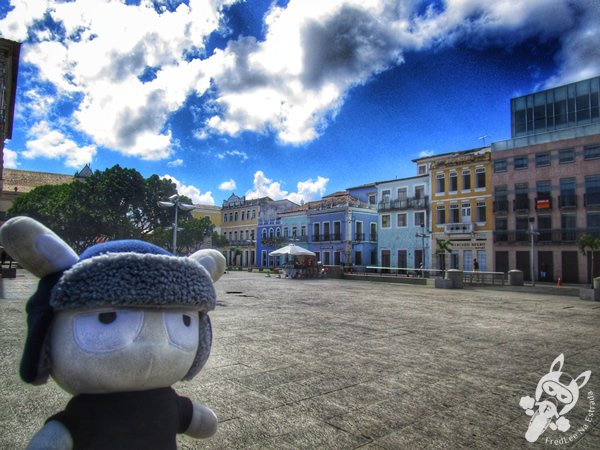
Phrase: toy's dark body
pixel 127 420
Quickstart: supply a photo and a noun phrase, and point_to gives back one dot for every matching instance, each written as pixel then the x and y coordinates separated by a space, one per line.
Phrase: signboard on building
pixel 542 203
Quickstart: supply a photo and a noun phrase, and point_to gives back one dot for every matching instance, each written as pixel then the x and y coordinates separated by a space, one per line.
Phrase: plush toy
pixel 116 327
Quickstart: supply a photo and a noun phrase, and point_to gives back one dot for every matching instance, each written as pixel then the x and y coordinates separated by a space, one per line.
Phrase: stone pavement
pixel 349 364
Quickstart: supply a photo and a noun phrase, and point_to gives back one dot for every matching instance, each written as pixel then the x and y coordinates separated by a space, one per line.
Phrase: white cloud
pixel 11 159
pixel 234 153
pixel 228 185
pixel 426 153
pixel 192 192
pixel 175 163
pixel 45 142
pixel 290 84
pixel 307 190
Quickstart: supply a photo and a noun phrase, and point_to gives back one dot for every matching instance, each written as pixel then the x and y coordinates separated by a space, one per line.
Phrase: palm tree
pixel 589 243
pixel 444 246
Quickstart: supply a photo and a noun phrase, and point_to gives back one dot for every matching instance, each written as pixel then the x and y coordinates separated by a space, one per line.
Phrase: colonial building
pixel 461 207
pixel 18 182
pixel 342 230
pixel 240 218
pixel 404 234
pixel 547 179
pixel 9 69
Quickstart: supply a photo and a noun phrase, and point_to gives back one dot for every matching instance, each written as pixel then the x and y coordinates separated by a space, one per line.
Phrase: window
pixel 500 165
pixel 235 215
pixel 542 159
pixel 385 196
pixel 277 233
pixel 500 199
pixel 480 178
pixel 591 152
pixel 231 217
pixel 252 234
pixel 385 221
pixel 243 215
pixel 521 197
pixel 453 182
pixel 466 180
pixel 303 230
pixel 440 183
pixel 566 156
pixel 521 162
pixel 568 195
pixel 593 223
pixel 544 188
pixel 419 218
pixel 592 190
pixel 522 226
pixel 419 192
pixel 568 227
pixel 481 212
pixel 224 217
pixel 422 169
pixel 454 214
pixel 358 258
pixel 544 227
pixel 254 214
pixel 372 199
pixel 441 215
pixel 401 218
pixel 501 227
pixel 286 232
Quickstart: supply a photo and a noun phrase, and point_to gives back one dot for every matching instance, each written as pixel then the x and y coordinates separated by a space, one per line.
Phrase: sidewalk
pixel 352 364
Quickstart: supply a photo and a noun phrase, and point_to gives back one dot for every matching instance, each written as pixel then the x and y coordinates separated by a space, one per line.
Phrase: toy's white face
pixel 113 350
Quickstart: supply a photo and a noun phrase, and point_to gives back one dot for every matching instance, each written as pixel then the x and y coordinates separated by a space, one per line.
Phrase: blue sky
pixel 291 99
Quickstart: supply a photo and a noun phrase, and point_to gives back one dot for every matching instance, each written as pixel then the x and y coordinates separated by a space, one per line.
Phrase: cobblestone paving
pixel 354 364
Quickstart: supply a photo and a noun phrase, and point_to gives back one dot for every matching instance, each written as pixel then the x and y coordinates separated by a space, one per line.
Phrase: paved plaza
pixel 356 364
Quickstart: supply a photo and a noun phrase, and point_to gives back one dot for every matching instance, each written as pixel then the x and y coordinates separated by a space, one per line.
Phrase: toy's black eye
pixel 107 317
pixel 187 320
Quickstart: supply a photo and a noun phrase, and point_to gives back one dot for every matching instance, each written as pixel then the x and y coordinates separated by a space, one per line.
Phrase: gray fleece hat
pixel 127 273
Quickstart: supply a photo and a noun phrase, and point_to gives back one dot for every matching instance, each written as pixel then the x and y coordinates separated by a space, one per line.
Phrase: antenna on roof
pixel 482 138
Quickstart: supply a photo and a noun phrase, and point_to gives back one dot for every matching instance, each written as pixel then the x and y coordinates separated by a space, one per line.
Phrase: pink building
pixel 547 181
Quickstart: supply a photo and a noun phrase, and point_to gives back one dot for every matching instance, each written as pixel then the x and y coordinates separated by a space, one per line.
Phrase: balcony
pixel 521 203
pixel 373 237
pixel 591 199
pixel 501 206
pixel 359 237
pixel 327 237
pixel 458 228
pixel 403 204
pixel 567 201
pixel 546 236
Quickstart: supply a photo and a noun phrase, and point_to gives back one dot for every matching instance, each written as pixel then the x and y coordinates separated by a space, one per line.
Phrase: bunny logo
pixel 556 394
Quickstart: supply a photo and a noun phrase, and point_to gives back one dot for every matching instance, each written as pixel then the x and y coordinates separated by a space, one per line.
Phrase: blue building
pixel 342 230
pixel 404 238
pixel 269 234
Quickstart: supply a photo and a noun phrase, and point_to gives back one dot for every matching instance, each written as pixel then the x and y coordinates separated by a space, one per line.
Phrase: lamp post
pixel 423 234
pixel 174 202
pixel 532 235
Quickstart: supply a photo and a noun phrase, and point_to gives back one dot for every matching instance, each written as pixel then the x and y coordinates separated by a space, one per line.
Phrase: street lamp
pixel 174 202
pixel 423 234
pixel 532 235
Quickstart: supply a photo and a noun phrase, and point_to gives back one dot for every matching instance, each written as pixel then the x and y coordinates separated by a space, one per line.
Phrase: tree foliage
pixel 117 203
pixel 591 244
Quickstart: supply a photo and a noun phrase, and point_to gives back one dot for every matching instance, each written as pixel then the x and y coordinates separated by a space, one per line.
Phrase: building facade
pixel 240 219
pixel 461 208
pixel 404 238
pixel 9 70
pixel 547 183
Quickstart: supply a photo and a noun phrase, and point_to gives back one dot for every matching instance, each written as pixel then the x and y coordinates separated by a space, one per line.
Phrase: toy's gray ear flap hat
pixel 118 273
pixel 43 253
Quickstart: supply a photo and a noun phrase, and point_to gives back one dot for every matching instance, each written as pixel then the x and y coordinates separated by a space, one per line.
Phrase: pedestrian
pixel 475 265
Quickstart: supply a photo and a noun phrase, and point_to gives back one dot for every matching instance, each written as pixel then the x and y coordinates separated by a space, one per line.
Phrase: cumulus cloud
pixel 426 153
pixel 49 143
pixel 307 190
pixel 11 159
pixel 198 198
pixel 175 163
pixel 228 185
pixel 233 153
pixel 130 67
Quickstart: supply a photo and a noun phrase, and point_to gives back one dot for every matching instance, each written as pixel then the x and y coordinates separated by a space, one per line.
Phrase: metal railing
pixel 458 228
pixel 403 204
pixel 552 236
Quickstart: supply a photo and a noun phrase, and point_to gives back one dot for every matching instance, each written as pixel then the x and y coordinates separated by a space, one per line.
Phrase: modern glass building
pixel 567 106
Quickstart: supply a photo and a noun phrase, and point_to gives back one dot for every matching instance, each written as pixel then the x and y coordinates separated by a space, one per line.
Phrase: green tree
pixel 444 247
pixel 591 244
pixel 116 203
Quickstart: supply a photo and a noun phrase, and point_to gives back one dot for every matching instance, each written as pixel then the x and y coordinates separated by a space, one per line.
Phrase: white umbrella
pixel 292 249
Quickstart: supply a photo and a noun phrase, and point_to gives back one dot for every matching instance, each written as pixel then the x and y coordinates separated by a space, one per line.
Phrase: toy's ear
pixel 212 260
pixel 37 248
pixel 558 363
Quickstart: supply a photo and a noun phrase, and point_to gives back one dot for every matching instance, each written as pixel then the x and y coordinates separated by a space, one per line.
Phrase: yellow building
pixel 462 207
pixel 210 211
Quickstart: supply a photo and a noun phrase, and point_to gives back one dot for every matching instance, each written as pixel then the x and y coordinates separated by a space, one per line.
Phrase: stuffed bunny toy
pixel 115 327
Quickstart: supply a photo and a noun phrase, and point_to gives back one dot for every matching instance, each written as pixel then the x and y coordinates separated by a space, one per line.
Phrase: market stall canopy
pixel 292 249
